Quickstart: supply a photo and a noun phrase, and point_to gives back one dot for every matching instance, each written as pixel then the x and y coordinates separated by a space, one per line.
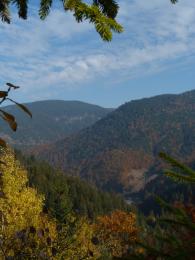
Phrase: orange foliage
pixel 117 232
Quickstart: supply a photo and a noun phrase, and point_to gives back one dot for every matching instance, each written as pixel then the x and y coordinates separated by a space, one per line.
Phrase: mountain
pixel 52 120
pixel 120 151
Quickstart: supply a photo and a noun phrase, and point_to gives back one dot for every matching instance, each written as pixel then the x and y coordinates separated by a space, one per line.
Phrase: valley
pixel 114 150
pixel 120 151
pixel 97 130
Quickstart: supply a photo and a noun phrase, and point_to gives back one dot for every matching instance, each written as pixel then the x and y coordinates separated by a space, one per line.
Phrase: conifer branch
pixel 22 6
pixel 44 10
pixel 4 11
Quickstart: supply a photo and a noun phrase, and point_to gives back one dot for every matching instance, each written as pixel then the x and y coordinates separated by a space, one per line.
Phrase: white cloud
pixel 60 52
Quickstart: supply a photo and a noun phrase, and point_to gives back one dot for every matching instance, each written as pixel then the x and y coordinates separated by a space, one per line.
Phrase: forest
pixel 81 181
pixel 45 215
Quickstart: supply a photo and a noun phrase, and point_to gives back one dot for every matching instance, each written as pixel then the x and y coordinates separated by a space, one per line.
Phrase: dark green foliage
pixel 22 6
pixel 166 188
pixel 173 233
pixel 45 6
pixel 88 200
pixel 68 194
pixel 108 7
pixel 4 11
pixel 185 174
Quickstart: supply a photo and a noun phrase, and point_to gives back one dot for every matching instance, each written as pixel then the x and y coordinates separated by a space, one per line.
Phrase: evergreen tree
pixel 173 233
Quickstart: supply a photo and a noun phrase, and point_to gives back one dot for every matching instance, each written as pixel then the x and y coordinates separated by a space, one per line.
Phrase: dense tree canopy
pixel 22 219
pixel 65 194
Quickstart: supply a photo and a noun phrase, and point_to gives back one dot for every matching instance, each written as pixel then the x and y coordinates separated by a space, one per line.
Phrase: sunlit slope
pixel 119 149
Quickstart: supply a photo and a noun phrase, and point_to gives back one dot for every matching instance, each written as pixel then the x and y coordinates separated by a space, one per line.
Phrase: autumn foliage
pixel 25 230
pixel 118 232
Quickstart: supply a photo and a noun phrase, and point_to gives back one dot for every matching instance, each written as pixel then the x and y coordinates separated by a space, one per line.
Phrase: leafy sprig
pixel 7 117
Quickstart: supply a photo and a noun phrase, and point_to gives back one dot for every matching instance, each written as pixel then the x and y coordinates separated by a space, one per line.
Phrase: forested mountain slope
pixel 52 120
pixel 117 151
pixel 65 194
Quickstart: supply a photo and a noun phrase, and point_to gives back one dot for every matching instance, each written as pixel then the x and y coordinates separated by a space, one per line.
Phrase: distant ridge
pixel 52 120
pixel 117 151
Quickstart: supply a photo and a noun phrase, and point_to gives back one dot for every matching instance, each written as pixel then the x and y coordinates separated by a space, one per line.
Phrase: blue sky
pixel 60 59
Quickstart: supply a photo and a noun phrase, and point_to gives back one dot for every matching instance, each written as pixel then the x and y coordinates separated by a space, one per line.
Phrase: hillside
pixel 64 194
pixel 117 151
pixel 52 120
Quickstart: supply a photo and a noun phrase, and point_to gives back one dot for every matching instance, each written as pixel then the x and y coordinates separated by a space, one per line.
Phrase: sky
pixel 61 59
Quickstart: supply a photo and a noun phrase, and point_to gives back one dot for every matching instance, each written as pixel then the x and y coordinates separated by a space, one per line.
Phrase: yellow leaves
pixel 83 241
pixel 21 208
pixel 14 176
pixel 24 228
pixel 49 225
pixel 20 205
pixel 76 241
